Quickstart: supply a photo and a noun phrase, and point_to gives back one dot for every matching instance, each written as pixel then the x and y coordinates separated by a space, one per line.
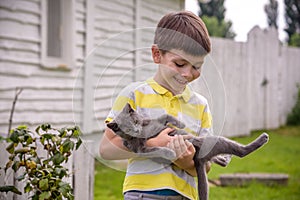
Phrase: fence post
pixel 83 167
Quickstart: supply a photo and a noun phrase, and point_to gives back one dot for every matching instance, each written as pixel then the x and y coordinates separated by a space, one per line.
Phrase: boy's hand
pixel 182 148
pixel 185 152
pixel 162 139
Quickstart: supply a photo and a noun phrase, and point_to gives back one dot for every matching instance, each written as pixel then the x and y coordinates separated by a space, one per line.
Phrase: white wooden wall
pixel 48 95
pixel 117 45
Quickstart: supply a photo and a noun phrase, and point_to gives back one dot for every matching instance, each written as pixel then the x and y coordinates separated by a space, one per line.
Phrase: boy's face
pixel 176 68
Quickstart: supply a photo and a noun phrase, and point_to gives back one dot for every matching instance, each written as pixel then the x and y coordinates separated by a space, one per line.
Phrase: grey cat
pixel 135 131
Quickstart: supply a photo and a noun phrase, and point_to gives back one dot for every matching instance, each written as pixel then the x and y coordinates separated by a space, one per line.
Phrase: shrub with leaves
pixel 294 117
pixel 41 154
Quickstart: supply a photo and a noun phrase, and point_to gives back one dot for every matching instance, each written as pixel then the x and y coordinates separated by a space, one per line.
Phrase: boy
pixel 181 43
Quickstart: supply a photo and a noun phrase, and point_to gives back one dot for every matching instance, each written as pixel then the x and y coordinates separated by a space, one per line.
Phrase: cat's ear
pixel 128 108
pixel 113 126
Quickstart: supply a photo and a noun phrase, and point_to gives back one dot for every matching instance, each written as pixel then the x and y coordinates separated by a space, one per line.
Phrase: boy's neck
pixel 157 78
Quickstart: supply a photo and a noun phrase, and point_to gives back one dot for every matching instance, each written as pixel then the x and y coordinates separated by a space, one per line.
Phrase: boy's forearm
pixel 187 165
pixel 112 148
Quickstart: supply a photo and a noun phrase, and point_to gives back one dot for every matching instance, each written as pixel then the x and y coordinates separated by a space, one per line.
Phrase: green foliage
pixel 213 15
pixel 212 8
pixel 218 29
pixel 44 176
pixel 295 40
pixel 292 18
pixel 294 117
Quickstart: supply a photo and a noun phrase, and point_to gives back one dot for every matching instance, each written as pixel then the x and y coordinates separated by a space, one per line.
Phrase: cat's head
pixel 127 123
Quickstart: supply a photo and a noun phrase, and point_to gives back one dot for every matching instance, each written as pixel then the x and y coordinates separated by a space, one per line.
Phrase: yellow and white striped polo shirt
pixel 152 100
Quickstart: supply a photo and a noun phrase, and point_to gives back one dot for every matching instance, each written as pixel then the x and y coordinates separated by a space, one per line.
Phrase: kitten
pixel 135 131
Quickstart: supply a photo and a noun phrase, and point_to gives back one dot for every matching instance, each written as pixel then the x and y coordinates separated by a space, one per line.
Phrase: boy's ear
pixel 156 56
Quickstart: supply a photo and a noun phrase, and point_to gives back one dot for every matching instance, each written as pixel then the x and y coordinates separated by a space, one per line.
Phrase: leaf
pixel 57 159
pixel 47 136
pixel 22 127
pixel 10 188
pixel 45 126
pixel 77 131
pixel 8 165
pixel 61 172
pixel 22 150
pixel 45 195
pixel 67 146
pixel 10 148
pixel 64 188
pixel 43 184
pixel 14 136
pixel 27 188
pixel 37 129
pixel 62 132
pixel 78 143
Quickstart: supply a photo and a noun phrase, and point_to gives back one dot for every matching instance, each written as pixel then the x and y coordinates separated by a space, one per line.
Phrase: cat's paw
pixel 222 160
pixel 264 137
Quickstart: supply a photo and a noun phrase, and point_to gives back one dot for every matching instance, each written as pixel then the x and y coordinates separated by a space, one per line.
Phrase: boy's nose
pixel 187 72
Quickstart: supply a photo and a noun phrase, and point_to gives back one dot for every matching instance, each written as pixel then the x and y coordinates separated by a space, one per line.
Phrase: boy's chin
pixel 178 89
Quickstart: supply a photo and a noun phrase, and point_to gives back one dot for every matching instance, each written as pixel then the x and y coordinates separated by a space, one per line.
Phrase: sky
pixel 245 14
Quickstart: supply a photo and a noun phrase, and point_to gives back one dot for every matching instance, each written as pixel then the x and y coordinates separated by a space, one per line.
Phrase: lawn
pixel 280 155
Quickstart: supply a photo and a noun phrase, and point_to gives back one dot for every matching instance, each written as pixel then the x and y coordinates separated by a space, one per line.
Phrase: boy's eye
pixel 179 64
pixel 197 68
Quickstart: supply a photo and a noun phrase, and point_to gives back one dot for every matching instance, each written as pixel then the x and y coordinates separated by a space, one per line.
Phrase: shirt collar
pixel 186 94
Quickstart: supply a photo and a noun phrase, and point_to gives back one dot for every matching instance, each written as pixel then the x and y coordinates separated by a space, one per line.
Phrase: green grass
pixel 280 155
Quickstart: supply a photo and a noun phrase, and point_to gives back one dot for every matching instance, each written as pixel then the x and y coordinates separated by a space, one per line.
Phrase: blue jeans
pixel 145 196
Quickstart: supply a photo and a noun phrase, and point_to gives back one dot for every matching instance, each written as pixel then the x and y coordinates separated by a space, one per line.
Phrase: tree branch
pixel 18 92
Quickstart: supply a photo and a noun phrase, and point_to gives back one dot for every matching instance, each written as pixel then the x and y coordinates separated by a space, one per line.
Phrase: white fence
pixel 250 85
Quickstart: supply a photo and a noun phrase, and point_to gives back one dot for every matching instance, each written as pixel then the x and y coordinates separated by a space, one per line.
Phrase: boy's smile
pixel 176 68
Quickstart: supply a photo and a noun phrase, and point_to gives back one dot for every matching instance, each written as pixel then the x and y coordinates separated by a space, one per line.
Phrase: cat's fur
pixel 135 131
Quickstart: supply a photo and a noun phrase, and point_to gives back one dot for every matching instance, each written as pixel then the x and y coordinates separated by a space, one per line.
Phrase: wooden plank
pixel 84 173
pixel 241 179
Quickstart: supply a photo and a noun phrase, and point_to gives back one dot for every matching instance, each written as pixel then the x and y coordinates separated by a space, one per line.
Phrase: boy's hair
pixel 182 30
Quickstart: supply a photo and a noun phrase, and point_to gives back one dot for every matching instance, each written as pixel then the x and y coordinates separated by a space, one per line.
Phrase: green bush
pixel 44 176
pixel 294 117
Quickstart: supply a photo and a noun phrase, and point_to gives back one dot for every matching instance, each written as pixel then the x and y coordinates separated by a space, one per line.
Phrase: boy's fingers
pixel 167 131
pixel 186 137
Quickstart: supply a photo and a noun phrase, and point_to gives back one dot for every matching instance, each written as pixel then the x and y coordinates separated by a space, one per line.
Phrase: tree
pixel 218 29
pixel 292 18
pixel 213 13
pixel 213 8
pixel 271 10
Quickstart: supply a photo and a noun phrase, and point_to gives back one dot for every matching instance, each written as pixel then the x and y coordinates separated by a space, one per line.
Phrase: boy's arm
pixel 112 148
pixel 184 150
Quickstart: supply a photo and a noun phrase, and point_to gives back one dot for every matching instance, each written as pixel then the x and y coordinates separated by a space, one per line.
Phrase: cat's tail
pixel 257 143
pixel 203 189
